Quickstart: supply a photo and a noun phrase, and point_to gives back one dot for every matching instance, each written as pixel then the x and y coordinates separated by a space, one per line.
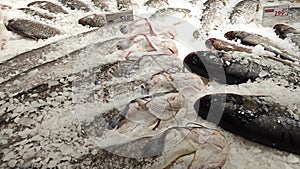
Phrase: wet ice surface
pixel 49 127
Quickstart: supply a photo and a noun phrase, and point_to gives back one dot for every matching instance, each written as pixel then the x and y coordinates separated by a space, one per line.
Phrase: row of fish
pixel 251 39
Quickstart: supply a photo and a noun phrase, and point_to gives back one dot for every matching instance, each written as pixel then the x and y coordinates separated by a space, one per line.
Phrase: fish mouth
pixel 230 35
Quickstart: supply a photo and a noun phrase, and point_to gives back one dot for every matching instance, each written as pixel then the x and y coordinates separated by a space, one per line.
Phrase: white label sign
pixel 275 11
pixel 118 17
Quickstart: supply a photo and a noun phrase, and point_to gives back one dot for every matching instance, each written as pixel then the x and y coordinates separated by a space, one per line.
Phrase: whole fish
pixel 102 4
pixel 219 66
pixel 176 12
pixel 255 39
pixel 49 6
pixel 93 20
pixel 75 4
pixel 31 29
pixel 213 15
pixel 33 12
pixel 244 12
pixel 226 46
pixel 255 118
pixel 284 31
pixel 156 3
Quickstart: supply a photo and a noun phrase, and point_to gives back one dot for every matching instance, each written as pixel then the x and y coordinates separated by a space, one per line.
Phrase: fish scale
pixel 213 14
pixel 244 12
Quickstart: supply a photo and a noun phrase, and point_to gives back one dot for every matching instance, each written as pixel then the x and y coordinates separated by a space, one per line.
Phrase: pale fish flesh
pixel 244 12
pixel 213 15
pixel 209 147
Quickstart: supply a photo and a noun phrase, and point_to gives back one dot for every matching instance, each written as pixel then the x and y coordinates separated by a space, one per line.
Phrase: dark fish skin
pixel 33 12
pixel 31 29
pixel 93 20
pixel 49 6
pixel 283 30
pixel 254 118
pixel 75 4
pixel 214 65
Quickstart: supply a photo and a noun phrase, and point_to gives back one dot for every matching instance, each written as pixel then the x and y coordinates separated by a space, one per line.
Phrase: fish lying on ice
pixel 239 67
pixel 244 12
pixel 31 29
pixel 33 12
pixel 49 6
pixel 176 12
pixel 255 39
pixel 255 118
pixel 216 66
pixel 285 31
pixel 75 4
pixel 213 15
pixel 156 3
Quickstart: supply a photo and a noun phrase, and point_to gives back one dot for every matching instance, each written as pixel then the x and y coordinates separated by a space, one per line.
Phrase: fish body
pixel 254 118
pixel 156 3
pixel 49 6
pixel 214 65
pixel 244 12
pixel 102 4
pixel 165 12
pixel 33 12
pixel 284 31
pixel 213 15
pixel 31 29
pixel 75 4
pixel 93 20
pixel 226 46
pixel 255 39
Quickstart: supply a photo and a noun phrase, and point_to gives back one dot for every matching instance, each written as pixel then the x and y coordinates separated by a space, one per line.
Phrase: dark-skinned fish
pixel 75 4
pixel 255 39
pixel 31 29
pixel 244 12
pixel 213 15
pixel 49 6
pixel 286 31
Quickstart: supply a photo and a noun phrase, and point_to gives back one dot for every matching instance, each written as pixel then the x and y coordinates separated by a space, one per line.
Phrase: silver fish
pixel 31 29
pixel 102 4
pixel 156 3
pixel 162 13
pixel 49 6
pixel 244 12
pixel 75 4
pixel 212 14
pixel 33 12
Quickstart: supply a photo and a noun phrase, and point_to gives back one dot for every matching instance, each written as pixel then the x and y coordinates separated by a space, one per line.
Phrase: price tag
pixel 118 17
pixel 275 11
